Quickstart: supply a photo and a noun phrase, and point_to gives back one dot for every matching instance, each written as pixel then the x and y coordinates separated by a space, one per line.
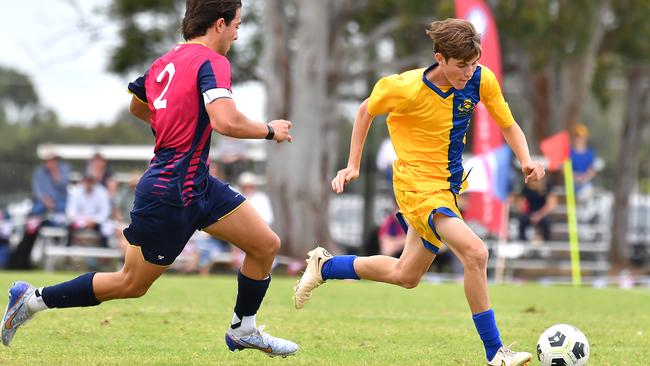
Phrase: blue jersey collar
pixel 432 86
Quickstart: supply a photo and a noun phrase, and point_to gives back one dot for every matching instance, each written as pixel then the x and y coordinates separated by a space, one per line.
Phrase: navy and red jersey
pixel 176 88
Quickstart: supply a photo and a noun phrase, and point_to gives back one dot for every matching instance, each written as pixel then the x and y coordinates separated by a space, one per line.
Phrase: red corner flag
pixel 556 149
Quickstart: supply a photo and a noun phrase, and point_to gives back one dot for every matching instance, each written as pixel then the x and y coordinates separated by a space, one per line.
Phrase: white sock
pixel 35 302
pixel 247 326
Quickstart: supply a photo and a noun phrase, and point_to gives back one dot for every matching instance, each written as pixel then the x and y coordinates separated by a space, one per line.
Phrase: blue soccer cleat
pixel 261 341
pixel 16 313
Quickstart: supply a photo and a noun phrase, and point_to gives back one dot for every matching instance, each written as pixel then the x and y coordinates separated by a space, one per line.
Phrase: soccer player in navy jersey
pixel 184 95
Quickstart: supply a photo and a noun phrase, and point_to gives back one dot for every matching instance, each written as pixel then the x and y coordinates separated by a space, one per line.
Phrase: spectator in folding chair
pixel 122 204
pixel 97 167
pixel 50 190
pixel 89 209
pixel 536 203
pixel 392 237
pixel 6 228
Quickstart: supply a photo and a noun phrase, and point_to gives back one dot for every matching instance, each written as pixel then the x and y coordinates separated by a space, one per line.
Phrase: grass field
pixel 181 321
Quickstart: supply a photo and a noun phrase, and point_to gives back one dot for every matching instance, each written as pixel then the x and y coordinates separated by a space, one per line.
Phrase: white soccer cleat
pixel 261 341
pixel 312 277
pixel 506 357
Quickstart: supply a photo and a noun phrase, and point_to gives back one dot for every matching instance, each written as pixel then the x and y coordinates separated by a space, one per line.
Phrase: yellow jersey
pixel 427 125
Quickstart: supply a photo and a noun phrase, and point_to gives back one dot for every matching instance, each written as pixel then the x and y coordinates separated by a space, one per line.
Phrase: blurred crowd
pixel 91 210
pixel 95 208
pixel 534 206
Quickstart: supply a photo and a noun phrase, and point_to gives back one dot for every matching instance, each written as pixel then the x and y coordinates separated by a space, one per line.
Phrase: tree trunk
pixel 276 68
pixel 581 71
pixel 558 89
pixel 637 97
pixel 540 95
pixel 299 172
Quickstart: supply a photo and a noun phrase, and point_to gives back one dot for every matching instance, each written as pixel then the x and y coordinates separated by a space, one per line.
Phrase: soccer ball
pixel 563 345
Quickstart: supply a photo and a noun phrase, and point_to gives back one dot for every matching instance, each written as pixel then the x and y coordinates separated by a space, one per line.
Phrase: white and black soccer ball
pixel 563 345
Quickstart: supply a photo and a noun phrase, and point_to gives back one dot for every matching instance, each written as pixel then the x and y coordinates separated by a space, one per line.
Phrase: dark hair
pixel 455 38
pixel 201 15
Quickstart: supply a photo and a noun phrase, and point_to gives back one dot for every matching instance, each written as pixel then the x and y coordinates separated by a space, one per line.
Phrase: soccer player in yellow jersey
pixel 428 116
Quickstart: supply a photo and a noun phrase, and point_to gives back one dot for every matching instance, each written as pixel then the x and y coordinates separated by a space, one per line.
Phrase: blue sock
pixel 340 267
pixel 250 294
pixel 486 325
pixel 74 293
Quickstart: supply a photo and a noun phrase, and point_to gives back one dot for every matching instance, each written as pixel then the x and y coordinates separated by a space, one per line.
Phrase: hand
pixel 281 129
pixel 48 202
pixel 533 171
pixel 535 218
pixel 343 177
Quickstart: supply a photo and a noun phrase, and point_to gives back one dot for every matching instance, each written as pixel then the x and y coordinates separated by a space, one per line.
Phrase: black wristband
pixel 271 134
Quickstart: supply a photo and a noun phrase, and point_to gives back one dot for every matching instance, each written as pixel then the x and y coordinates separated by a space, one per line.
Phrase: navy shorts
pixel 162 230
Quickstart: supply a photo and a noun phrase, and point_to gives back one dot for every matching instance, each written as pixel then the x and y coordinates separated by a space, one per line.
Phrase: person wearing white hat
pixel 50 194
pixel 260 201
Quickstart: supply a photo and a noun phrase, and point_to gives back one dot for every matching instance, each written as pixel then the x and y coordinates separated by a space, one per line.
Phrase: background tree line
pixel 564 62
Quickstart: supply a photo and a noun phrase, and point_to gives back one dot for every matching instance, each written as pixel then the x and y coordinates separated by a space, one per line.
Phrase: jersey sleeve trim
pixel 136 97
pixel 211 95
pixel 137 88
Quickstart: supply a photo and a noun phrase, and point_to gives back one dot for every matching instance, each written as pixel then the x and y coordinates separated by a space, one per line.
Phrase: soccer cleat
pixel 506 357
pixel 272 346
pixel 312 277
pixel 17 312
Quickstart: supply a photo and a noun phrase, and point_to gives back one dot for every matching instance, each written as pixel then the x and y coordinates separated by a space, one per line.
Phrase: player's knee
pixel 136 290
pixel 132 288
pixel 275 244
pixel 477 257
pixel 409 283
pixel 408 280
pixel 269 247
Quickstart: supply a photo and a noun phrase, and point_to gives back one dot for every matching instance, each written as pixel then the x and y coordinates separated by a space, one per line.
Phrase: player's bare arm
pixel 228 121
pixel 359 134
pixel 140 110
pixel 532 170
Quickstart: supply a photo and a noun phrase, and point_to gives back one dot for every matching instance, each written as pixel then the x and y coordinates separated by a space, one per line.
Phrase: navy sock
pixel 250 294
pixel 74 293
pixel 486 325
pixel 340 267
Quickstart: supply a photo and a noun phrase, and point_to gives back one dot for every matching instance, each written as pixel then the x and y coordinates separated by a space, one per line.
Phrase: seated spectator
pixel 248 186
pixel 392 237
pixel 50 184
pixel 259 200
pixel 97 167
pixel 50 190
pixel 6 229
pixel 536 203
pixel 583 162
pixel 385 157
pixel 206 249
pixel 89 208
pixel 122 205
pixel 231 158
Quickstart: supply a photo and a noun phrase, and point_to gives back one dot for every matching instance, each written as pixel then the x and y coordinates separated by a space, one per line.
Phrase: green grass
pixel 181 321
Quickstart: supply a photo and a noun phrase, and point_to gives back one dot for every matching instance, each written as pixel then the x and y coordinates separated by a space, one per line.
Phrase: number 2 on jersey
pixel 170 69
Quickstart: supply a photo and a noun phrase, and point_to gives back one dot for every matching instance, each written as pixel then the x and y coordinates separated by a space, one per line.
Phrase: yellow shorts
pixel 418 209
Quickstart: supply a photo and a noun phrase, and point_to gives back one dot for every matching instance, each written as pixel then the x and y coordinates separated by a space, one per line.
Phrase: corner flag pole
pixel 573 222
pixel 499 269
